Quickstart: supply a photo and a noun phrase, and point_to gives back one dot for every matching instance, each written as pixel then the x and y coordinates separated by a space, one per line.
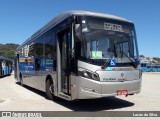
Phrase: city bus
pixel 81 55
pixel 147 67
pixel 5 66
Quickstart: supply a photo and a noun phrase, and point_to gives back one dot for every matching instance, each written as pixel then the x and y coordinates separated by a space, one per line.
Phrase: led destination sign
pixel 113 27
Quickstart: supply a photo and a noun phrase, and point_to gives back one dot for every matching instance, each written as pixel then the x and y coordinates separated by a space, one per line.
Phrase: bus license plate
pixel 122 92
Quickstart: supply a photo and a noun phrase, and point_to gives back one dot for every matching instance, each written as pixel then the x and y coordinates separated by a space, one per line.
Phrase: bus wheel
pixel 49 88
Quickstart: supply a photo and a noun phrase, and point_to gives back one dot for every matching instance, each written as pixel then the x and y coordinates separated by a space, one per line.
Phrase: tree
pixel 7 50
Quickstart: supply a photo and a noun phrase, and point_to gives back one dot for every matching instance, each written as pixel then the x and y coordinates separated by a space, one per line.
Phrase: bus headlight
pixel 86 74
pixel 89 74
pixel 95 76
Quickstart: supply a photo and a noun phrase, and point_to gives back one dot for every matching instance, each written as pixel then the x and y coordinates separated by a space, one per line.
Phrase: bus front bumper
pixel 90 89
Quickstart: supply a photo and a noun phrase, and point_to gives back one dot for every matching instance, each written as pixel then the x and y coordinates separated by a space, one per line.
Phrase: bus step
pixel 64 96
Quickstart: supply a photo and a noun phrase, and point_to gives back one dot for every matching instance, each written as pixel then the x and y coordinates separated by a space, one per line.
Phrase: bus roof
pixel 67 14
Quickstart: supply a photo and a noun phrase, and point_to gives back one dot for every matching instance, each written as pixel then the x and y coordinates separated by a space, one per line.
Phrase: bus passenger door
pixel 63 63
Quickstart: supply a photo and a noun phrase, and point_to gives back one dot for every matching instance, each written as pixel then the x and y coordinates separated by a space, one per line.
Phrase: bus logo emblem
pixel 122 74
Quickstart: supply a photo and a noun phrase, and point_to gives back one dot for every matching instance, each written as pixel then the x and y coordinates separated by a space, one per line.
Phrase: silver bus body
pixel 71 76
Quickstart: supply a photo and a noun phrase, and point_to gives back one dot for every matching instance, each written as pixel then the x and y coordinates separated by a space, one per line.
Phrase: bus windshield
pixel 105 39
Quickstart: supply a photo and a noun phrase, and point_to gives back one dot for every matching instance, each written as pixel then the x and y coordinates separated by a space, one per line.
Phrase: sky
pixel 19 19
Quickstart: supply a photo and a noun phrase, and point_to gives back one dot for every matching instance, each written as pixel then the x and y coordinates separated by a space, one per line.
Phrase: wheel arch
pixel 49 77
pixel 20 76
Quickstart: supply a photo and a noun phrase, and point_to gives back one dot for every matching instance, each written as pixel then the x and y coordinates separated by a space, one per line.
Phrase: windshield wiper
pixel 106 63
pixel 133 63
pixel 115 53
pixel 123 53
pixel 108 60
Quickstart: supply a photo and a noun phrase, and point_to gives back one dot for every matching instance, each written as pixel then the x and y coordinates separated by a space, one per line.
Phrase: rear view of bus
pixel 108 63
pixel 5 66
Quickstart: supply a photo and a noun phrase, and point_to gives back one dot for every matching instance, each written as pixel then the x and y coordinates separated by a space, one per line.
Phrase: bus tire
pixel 3 73
pixel 21 80
pixel 49 95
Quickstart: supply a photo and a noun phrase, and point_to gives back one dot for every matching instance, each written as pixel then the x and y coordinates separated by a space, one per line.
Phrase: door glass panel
pixel 65 68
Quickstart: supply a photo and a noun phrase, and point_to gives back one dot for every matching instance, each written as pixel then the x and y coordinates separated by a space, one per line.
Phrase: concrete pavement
pixel 14 97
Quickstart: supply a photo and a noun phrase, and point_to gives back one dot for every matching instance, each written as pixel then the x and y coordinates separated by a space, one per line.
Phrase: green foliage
pixel 7 50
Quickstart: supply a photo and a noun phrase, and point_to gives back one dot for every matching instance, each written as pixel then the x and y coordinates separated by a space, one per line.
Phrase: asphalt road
pixel 14 97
